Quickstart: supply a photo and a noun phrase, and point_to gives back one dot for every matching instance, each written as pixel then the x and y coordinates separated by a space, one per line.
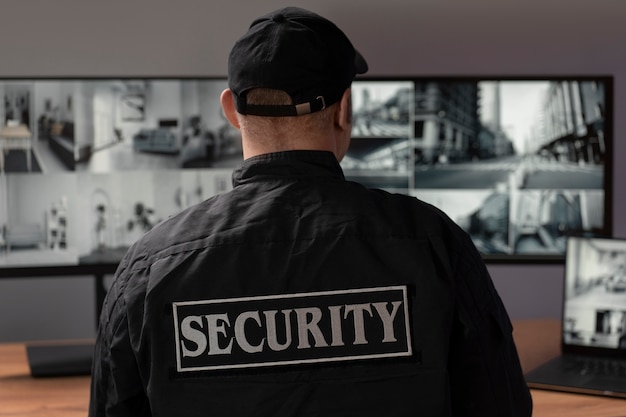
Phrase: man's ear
pixel 228 106
pixel 343 117
pixel 343 124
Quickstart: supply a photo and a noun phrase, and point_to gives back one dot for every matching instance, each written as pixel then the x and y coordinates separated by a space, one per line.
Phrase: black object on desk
pixel 60 359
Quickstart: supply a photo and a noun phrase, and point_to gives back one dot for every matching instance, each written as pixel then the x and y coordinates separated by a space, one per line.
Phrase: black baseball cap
pixel 296 51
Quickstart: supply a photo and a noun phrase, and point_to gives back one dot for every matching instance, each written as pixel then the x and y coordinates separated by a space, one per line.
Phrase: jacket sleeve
pixel 116 386
pixel 485 372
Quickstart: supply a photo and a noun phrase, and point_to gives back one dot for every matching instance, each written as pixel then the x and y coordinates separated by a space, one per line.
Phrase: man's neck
pixel 252 147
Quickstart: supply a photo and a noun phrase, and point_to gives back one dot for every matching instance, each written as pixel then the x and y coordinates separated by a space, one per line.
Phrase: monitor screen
pixel 519 163
pixel 594 308
pixel 89 165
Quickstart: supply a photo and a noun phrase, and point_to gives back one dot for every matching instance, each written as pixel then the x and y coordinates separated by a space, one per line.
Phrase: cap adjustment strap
pixel 281 110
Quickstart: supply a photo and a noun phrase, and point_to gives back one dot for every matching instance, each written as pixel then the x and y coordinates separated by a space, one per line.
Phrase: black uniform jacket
pixel 299 293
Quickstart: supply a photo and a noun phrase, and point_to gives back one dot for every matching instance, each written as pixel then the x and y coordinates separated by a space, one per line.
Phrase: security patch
pixel 289 329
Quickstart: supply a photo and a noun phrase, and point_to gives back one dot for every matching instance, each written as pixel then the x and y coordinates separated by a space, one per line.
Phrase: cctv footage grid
pixel 519 164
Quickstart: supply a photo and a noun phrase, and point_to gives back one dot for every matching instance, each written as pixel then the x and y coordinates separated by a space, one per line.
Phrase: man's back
pixel 299 293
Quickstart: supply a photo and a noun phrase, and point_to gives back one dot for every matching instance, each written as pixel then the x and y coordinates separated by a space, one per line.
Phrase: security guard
pixel 300 293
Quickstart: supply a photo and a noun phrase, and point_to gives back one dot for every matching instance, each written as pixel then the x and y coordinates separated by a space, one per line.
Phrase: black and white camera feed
pixel 101 125
pixel 519 164
pixel 88 166
pixel 595 293
pixel 381 133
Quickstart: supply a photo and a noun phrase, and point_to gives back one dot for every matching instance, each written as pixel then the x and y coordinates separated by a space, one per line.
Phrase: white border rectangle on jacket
pixel 288 329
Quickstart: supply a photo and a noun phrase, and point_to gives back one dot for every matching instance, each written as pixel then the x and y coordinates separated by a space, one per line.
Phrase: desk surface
pixel 19 131
pixel 537 342
pixel 21 395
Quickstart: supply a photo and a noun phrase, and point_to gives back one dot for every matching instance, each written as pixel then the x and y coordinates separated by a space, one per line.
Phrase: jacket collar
pixel 288 164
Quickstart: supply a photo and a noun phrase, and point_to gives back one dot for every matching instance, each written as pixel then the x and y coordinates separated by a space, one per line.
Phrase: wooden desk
pixel 537 341
pixel 21 395
pixel 15 137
